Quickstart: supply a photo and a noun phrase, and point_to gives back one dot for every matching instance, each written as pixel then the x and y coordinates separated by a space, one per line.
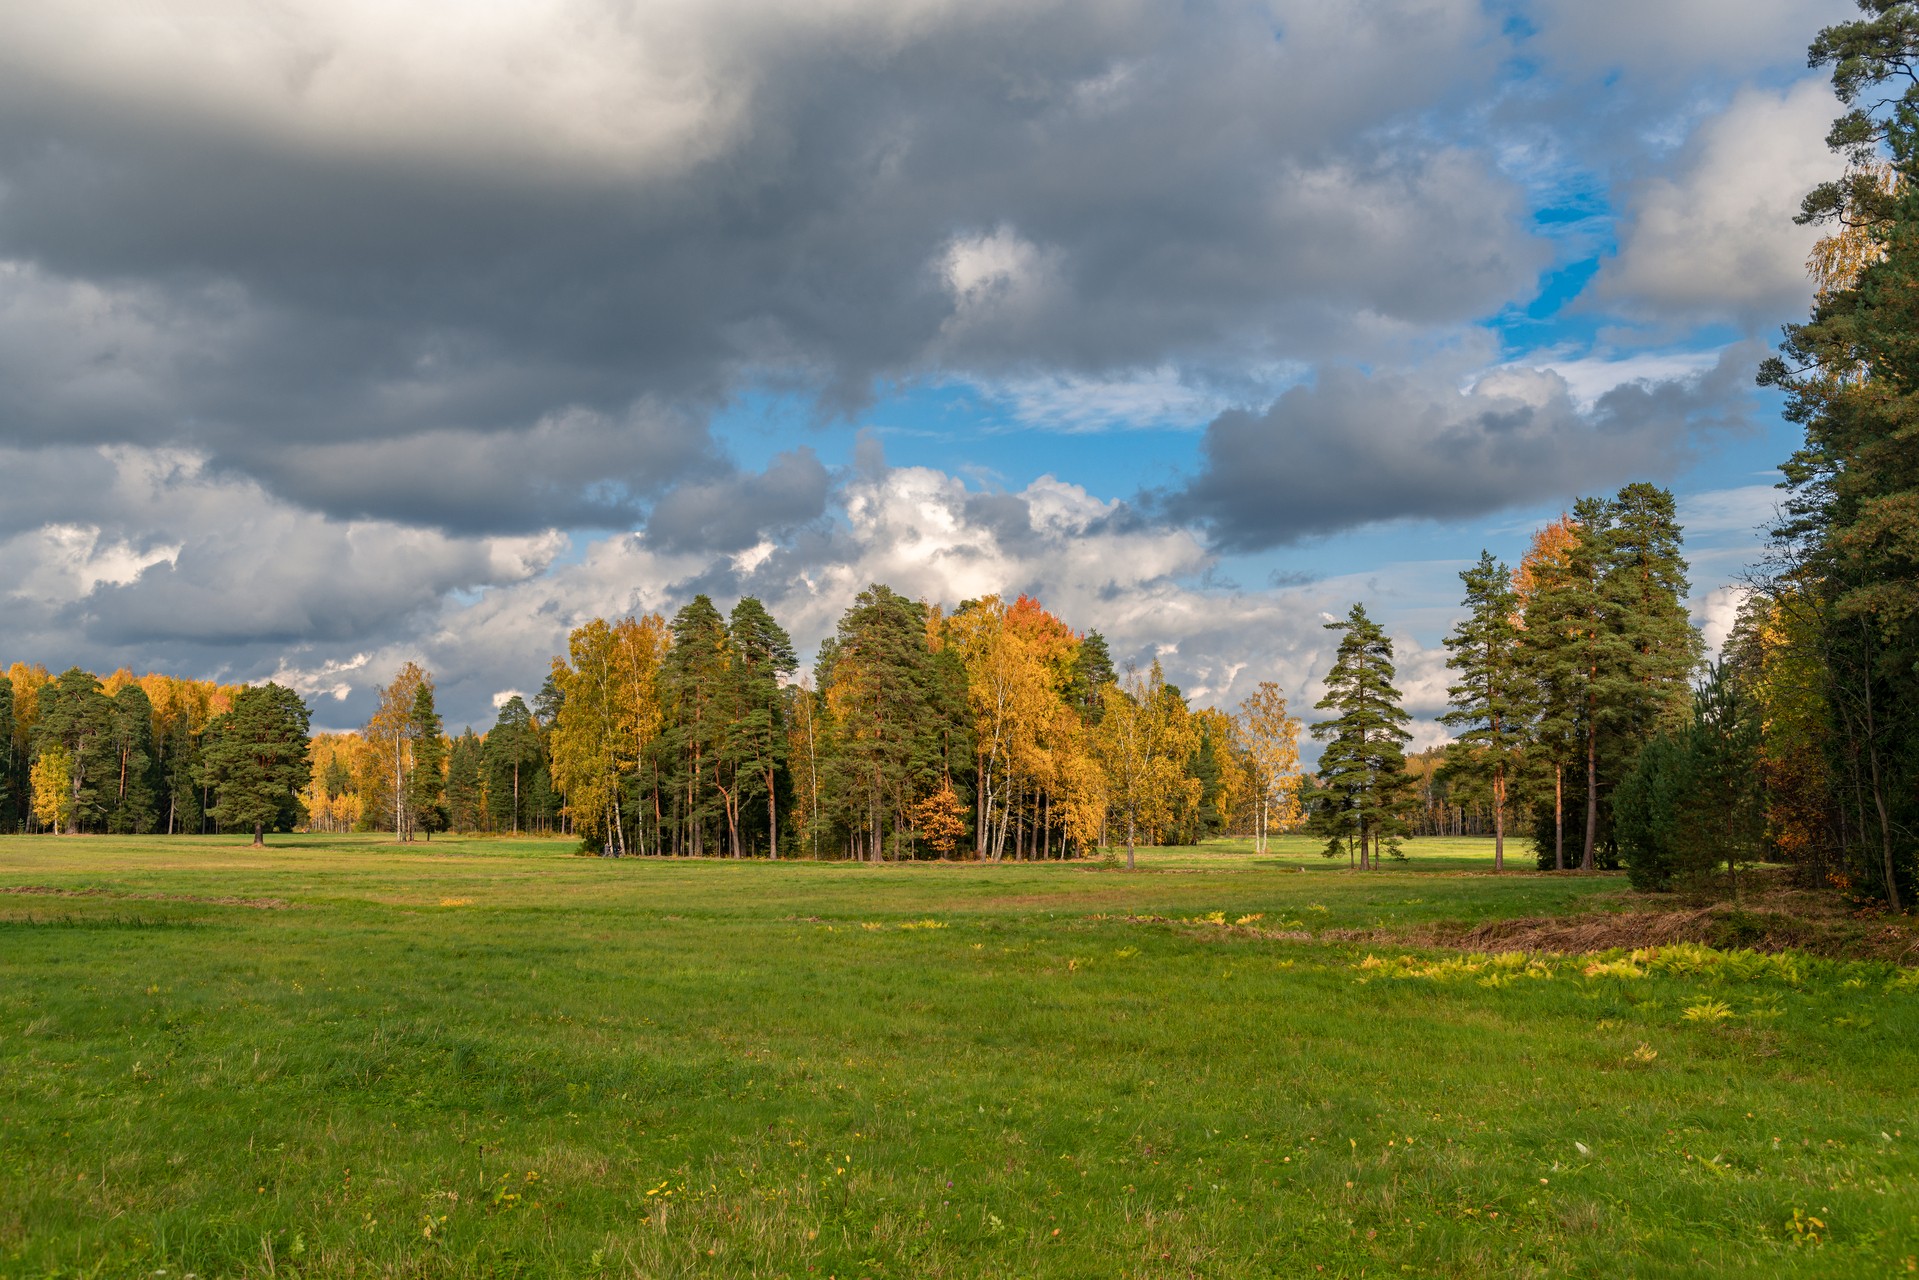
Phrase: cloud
pixel 737 512
pixel 373 258
pixel 162 559
pixel 1677 40
pixel 1353 449
pixel 1715 241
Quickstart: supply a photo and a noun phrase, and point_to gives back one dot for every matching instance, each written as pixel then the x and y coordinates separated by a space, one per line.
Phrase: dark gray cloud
pixel 1353 449
pixel 367 273
pixel 736 512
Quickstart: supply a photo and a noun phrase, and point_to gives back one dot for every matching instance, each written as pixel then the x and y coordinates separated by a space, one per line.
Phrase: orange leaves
pixel 1550 547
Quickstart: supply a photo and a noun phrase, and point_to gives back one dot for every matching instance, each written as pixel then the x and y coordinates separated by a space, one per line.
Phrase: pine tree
pixel 1850 537
pixel 512 747
pixel 1490 703
pixel 135 807
pixel 257 760
pixel 1363 767
pixel 696 686
pixel 875 681
pixel 466 783
pixel 755 743
pixel 77 715
pixel 1608 642
pixel 180 777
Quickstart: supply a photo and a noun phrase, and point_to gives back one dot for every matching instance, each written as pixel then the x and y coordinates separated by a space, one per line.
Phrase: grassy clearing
pixel 341 1058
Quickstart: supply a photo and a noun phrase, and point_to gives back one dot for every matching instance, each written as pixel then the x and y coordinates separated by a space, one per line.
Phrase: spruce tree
pixel 426 778
pixel 257 760
pixel 1363 767
pixel 1491 706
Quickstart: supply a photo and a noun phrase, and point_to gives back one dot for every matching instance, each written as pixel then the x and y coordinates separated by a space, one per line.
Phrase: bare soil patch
pixel 1774 919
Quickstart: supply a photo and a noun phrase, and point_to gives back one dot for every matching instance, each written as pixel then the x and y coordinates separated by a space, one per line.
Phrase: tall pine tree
pixel 258 762
pixel 755 745
pixel 1491 703
pixel 1851 376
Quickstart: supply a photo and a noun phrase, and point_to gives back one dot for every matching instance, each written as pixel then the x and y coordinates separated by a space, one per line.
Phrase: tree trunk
pixel 1879 802
pixel 1499 818
pixel 772 822
pixel 1592 796
pixel 1131 835
pixel 259 835
pixel 1559 817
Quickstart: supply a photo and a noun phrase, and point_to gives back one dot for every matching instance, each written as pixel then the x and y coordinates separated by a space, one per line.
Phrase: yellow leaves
pixel 1804 1229
pixel 51 782
pixel 1837 259
pixel 610 713
pixel 1270 739
pixel 1488 970
pixel 1707 1011
pixel 1145 737
pixel 456 902
pixel 1642 1055
pixel 1613 969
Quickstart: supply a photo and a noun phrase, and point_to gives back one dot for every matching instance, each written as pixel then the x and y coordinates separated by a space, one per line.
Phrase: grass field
pixel 492 1058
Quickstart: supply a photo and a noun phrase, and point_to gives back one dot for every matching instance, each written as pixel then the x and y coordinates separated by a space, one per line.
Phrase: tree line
pixel 152 755
pixel 994 731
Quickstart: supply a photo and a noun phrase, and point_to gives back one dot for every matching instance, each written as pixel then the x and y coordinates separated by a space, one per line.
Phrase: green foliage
pixel 754 745
pixel 465 783
pixel 877 682
pixel 512 750
pixel 1850 536
pixel 256 760
pixel 701 700
pixel 137 782
pixel 1609 647
pixel 1690 806
pixel 1493 700
pixel 1363 767
pixel 426 776
pixel 76 714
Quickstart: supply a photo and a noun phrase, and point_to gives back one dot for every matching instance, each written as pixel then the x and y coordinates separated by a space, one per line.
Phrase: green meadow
pixel 340 1057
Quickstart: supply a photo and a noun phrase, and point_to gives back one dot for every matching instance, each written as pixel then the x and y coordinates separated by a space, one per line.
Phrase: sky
pixel 337 333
